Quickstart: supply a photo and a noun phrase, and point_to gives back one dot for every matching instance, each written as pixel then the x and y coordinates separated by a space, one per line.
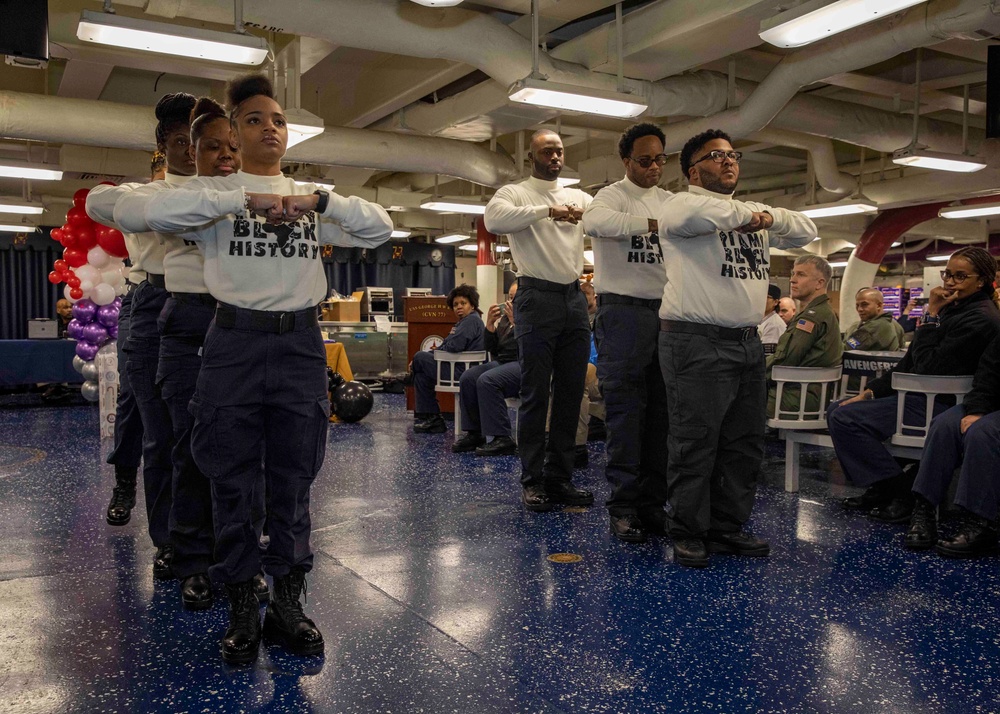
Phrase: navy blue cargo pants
pixel 127 451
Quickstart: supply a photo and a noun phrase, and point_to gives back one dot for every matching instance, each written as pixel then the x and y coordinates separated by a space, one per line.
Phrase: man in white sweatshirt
pixel 628 278
pixel 542 221
pixel 716 253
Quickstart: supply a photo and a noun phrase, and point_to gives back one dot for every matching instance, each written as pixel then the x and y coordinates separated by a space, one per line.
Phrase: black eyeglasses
pixel 647 161
pixel 718 156
pixel 958 277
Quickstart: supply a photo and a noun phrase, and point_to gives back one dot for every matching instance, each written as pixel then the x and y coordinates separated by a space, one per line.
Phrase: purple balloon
pixel 107 315
pixel 74 329
pixel 84 310
pixel 86 351
pixel 117 302
pixel 95 334
pixel 113 332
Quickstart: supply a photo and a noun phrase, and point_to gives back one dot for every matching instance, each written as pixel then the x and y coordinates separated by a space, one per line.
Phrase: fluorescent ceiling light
pixel 588 257
pixel 24 170
pixel 896 244
pixel 839 264
pixel 193 42
pixel 400 234
pixel 22 207
pixel 318 184
pixel 938 258
pixel 576 99
pixel 454 205
pixel 438 3
pixel 921 158
pixel 302 125
pixel 818 19
pixel 839 208
pixel 473 247
pixel 452 238
pixel 983 209
pixel 17 228
pixel 391 209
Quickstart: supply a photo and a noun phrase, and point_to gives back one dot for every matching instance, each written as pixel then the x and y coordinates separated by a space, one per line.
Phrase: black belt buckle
pixel 748 333
pixel 286 322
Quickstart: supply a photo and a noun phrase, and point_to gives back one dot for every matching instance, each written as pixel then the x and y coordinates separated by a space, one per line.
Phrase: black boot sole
pixel 641 538
pixel 203 604
pixel 277 637
pixel 116 522
pixel 241 658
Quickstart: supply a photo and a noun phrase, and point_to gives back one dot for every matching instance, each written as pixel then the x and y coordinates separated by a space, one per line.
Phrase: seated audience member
pixel 64 309
pixel 968 434
pixel 962 319
pixel 772 327
pixel 907 323
pixel 465 336
pixel 787 310
pixel 484 411
pixel 813 338
pixel 592 403
pixel 877 329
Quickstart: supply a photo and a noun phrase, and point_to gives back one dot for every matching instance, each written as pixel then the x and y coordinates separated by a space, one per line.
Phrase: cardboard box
pixel 343 310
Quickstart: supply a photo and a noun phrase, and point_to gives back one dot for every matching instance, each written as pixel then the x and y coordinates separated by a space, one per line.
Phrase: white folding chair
pixel 912 436
pixel 449 383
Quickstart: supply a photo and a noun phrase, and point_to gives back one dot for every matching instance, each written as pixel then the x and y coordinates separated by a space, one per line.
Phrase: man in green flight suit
pixel 878 330
pixel 813 336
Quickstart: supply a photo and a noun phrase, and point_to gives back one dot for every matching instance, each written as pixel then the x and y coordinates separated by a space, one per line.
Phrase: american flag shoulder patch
pixel 805 325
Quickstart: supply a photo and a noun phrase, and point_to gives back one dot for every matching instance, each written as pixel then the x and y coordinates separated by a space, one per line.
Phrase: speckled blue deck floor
pixel 434 592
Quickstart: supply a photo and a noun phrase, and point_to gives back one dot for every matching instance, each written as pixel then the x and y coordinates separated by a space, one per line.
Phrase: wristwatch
pixel 932 320
pixel 324 200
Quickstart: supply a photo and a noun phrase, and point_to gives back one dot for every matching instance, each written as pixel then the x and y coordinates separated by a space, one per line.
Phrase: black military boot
pixel 285 623
pixel 922 534
pixel 261 587
pixel 241 642
pixel 975 538
pixel 122 498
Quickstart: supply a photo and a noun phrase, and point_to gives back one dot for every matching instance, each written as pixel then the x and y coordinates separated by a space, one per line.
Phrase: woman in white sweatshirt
pixel 262 390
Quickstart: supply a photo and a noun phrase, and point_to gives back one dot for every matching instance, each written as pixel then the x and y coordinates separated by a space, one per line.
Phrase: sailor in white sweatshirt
pixel 551 323
pixel 716 254
pixel 629 278
pixel 262 390
pixel 142 347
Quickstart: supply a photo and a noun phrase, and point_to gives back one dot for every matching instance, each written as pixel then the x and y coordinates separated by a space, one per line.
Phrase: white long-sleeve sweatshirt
pixel 101 207
pixel 627 256
pixel 249 263
pixel 716 275
pixel 543 249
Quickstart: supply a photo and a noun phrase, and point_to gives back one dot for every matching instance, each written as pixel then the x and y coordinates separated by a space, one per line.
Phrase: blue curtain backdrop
pixel 25 290
pixel 25 263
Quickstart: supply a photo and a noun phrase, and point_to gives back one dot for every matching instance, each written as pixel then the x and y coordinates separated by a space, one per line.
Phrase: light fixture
pixel 576 99
pixel 302 125
pixel 473 247
pixel 17 228
pixel 588 257
pixel 839 264
pixel 22 207
pixel 452 238
pixel 840 208
pixel 399 233
pixel 24 170
pixel 818 19
pixel 896 244
pixel 567 177
pixel 924 159
pixel 938 258
pixel 438 3
pixel 106 28
pixel 446 204
pixel 983 209
pixel 319 184
pixel 392 209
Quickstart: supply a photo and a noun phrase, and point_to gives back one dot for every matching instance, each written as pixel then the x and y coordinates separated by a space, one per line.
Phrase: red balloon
pixel 61 266
pixel 80 197
pixel 55 278
pixel 75 293
pixel 78 218
pixel 86 238
pixel 56 234
pixel 74 257
pixel 113 242
pixel 73 281
pixel 68 237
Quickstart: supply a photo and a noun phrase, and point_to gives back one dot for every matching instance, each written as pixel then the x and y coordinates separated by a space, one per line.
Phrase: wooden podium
pixel 428 322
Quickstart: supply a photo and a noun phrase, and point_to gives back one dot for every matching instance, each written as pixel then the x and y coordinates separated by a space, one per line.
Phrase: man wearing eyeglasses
pixel 628 278
pixel 716 255
pixel 551 323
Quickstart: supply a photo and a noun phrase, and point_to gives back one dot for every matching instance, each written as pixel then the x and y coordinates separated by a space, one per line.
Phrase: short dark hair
pixel 173 112
pixel 695 143
pixel 636 132
pixel 469 292
pixel 245 86
pixel 204 113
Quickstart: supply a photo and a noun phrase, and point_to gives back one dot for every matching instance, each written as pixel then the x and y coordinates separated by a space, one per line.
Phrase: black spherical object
pixel 352 401
pixel 334 380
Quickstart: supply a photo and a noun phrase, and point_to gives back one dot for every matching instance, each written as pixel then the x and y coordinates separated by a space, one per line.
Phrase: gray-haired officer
pixel 628 278
pixel 716 253
pixel 550 319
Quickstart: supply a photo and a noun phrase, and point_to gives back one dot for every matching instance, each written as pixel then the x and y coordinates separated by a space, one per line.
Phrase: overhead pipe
pixel 127 126
pixel 828 174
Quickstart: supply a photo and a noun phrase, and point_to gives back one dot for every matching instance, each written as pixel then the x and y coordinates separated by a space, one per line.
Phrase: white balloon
pixel 86 286
pixel 97 257
pixel 88 273
pixel 68 296
pixel 103 294
pixel 111 277
pixel 120 289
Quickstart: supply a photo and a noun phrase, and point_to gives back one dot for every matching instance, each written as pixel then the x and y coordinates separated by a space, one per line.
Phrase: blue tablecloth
pixel 37 361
